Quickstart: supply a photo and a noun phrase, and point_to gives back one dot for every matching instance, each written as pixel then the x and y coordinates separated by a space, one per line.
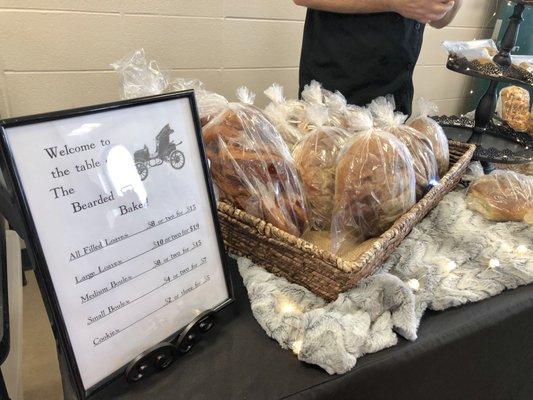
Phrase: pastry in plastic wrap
pixel 502 196
pixel 420 147
pixel 252 166
pixel 434 132
pixel 316 159
pixel 374 186
pixel 515 107
pixel 287 116
pixel 530 124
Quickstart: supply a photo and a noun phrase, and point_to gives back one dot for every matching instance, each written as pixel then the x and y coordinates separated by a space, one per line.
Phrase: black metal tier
pixel 511 75
pixel 499 144
pixel 495 142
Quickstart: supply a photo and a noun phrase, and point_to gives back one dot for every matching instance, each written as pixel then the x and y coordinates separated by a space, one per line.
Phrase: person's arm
pixel 421 10
pixel 448 18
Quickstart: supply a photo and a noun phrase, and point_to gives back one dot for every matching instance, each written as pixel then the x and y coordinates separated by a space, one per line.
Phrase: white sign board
pixel 124 217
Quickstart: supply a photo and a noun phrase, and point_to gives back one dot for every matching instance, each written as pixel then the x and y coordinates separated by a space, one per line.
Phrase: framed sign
pixel 121 221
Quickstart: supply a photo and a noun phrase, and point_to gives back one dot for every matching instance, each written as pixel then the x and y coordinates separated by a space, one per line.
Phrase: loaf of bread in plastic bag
pixel 374 186
pixel 252 167
pixel 434 132
pixel 424 161
pixel 316 159
pixel 502 196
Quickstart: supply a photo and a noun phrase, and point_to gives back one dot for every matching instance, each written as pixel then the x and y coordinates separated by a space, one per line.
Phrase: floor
pixel 40 377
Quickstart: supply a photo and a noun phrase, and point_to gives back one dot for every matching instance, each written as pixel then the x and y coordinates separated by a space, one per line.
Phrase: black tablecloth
pixel 478 351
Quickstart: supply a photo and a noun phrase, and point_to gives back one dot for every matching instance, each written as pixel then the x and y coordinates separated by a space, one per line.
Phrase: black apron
pixel 364 56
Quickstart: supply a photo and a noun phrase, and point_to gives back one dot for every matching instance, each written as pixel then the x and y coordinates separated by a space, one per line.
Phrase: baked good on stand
pixel 420 147
pixel 502 196
pixel 252 167
pixel 316 159
pixel 374 186
pixel 434 132
pixel 515 107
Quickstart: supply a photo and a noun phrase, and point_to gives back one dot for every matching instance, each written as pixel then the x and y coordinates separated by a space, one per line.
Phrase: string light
pixel 449 267
pixel 521 250
pixel 413 284
pixel 287 307
pixel 297 346
pixel 494 263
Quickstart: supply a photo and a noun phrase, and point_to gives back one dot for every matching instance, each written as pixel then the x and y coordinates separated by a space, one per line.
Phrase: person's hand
pixel 423 11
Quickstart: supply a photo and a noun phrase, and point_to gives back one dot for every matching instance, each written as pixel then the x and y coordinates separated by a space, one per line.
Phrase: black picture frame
pixel 36 252
pixel 4 299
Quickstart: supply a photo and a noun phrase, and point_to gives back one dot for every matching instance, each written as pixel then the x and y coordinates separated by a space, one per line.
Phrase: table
pixel 478 351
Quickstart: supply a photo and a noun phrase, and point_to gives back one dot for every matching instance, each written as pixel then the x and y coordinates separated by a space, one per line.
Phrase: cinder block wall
pixel 55 54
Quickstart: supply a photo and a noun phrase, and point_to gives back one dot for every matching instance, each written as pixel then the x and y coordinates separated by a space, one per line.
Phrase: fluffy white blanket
pixel 452 257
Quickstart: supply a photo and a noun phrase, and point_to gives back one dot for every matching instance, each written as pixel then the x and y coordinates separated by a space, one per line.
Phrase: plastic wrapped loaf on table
pixel 502 196
pixel 424 161
pixel 434 132
pixel 316 159
pixel 252 166
pixel 287 116
pixel 140 77
pixel 374 184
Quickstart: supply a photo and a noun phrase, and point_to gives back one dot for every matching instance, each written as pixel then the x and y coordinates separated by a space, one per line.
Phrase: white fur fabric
pixel 444 262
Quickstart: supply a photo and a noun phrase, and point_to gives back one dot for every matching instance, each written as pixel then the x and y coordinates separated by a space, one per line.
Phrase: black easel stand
pixel 163 355
pixel 4 309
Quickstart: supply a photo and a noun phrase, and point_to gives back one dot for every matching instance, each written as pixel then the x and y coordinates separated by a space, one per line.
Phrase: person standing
pixel 368 48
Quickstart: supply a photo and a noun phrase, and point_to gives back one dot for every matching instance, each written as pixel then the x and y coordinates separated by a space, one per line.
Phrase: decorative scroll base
pixel 163 355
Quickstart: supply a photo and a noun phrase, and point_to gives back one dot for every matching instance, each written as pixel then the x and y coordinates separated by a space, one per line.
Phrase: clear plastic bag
pixel 473 171
pixel 513 107
pixel 424 161
pixel 374 185
pixel 337 107
pixel 483 50
pixel 434 132
pixel 252 166
pixel 140 77
pixel 314 93
pixel 523 61
pixel 502 196
pixel 316 159
pixel 288 116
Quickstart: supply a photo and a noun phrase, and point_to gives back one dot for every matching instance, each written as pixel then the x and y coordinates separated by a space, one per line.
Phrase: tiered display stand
pixel 496 141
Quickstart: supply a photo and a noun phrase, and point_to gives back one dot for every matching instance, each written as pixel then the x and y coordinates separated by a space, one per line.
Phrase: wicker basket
pixel 320 271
